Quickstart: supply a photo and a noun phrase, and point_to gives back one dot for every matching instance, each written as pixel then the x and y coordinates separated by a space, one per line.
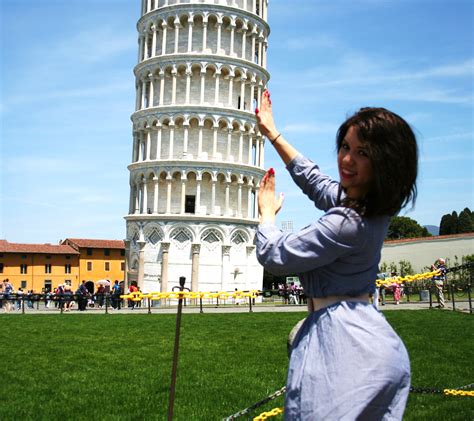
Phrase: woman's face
pixel 355 166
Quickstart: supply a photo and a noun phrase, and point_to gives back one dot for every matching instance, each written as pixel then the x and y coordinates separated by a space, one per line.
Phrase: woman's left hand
pixel 268 204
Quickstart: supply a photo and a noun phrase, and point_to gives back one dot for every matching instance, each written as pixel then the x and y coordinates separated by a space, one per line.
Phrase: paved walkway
pixel 462 306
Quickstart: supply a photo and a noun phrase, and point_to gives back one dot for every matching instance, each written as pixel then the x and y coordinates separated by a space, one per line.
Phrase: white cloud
pixel 446 158
pixel 450 137
pixel 310 128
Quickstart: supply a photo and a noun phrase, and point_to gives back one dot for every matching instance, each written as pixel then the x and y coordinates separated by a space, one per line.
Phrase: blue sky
pixel 67 93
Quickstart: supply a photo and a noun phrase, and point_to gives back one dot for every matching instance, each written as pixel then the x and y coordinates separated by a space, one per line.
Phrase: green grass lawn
pixel 91 366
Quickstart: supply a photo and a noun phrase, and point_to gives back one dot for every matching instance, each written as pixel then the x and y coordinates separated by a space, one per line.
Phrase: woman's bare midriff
pixel 315 304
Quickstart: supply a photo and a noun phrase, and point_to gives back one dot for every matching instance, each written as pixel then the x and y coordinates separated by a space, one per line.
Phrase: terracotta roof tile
pixel 94 244
pixel 6 247
pixel 432 238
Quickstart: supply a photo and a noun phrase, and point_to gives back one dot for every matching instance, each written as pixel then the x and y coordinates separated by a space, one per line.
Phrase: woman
pixel 346 361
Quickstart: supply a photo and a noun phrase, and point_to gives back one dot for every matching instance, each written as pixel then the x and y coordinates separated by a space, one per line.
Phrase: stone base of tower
pixel 211 257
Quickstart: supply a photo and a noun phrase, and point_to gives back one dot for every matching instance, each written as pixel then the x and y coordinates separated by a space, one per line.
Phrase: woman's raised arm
pixel 267 127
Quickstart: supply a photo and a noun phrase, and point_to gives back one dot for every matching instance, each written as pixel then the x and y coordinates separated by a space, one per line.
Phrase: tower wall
pixel 197 155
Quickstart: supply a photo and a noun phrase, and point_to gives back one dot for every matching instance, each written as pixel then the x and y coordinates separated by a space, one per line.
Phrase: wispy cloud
pixel 445 158
pixel 310 128
pixel 450 137
pixel 38 165
pixel 384 79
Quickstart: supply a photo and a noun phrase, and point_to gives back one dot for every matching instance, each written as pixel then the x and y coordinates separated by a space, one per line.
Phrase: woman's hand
pixel 268 204
pixel 264 115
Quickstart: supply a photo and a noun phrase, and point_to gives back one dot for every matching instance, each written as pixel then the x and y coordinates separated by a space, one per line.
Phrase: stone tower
pixel 197 155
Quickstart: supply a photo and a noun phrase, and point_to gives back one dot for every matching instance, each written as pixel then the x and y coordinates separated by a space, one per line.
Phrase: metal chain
pixel 458 391
pixel 256 405
pixel 264 415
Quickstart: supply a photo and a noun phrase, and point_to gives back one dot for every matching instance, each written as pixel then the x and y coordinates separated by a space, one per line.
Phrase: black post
pixel 61 302
pixel 431 298
pixel 200 305
pixel 174 370
pixel 451 286
pixel 106 303
pixel 23 304
pixel 149 305
pixel 408 294
pixel 250 304
pixel 469 296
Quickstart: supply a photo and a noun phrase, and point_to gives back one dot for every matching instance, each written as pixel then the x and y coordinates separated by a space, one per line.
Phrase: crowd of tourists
pixel 63 297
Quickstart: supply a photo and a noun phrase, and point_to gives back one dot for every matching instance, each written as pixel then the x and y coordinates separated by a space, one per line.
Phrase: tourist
pixel 346 360
pixel 396 288
pixel 116 292
pixel 7 292
pixel 439 280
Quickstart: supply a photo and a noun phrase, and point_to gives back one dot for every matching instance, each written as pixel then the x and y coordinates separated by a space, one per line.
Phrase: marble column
pixel 165 248
pixel 225 267
pixel 195 249
pixel 141 263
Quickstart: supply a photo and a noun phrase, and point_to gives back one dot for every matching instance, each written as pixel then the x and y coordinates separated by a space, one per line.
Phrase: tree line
pixel 452 223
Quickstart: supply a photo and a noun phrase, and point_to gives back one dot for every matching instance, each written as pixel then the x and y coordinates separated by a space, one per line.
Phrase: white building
pixel 197 156
pixel 423 252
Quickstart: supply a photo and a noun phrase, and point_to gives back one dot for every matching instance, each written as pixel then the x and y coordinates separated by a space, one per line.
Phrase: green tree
pixel 405 268
pixel 404 227
pixel 448 224
pixel 465 221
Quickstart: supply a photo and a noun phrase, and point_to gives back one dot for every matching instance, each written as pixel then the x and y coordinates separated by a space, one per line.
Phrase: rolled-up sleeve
pixel 320 188
pixel 337 233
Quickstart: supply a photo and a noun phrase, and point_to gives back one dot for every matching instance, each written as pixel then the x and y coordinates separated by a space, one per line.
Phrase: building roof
pixel 432 238
pixel 6 247
pixel 94 244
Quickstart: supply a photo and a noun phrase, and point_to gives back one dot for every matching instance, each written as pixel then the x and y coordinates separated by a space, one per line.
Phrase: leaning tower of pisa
pixel 197 155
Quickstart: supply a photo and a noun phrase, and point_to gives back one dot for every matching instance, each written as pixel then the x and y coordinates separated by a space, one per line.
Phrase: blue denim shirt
pixel 336 255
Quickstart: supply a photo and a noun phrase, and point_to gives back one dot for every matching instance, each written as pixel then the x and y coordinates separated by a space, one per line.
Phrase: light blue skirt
pixel 347 363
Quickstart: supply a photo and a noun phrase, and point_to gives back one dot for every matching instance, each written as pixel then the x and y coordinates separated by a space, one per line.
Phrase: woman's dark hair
pixel 393 152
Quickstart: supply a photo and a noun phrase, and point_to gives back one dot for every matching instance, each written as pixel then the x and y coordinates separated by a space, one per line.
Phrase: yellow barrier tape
pixel 138 296
pixel 264 415
pixel 222 295
pixel 456 392
pixel 404 279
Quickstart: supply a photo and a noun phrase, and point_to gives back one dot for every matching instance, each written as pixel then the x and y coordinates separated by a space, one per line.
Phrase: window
pixel 122 252
pixel 48 285
pixel 47 268
pixel 190 204
pixel 68 257
pixel 67 268
pixel 106 252
pixel 1 267
pixel 89 266
pixel 107 266
pixel 24 256
pixel 122 266
pixel 23 268
pixel 23 284
pixel 48 256
pixel 89 252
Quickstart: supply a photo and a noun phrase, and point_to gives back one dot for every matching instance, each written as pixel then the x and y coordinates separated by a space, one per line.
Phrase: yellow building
pixel 38 267
pixel 99 259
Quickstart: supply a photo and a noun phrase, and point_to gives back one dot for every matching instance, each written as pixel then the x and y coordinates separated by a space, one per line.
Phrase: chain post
pixel 471 272
pixel 174 370
pixel 452 296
